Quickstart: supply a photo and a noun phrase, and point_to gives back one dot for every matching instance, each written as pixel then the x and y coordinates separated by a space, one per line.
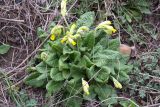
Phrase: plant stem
pixel 65 21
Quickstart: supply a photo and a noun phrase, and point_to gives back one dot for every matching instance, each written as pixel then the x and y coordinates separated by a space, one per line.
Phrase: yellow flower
pixel 117 84
pixel 52 37
pixel 82 29
pixel 106 23
pixel 85 86
pixel 70 40
pixel 63 7
pixel 111 28
pixel 106 27
pixel 64 39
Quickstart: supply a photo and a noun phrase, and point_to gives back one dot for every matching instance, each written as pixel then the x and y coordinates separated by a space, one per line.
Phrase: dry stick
pixel 154 105
pixel 13 20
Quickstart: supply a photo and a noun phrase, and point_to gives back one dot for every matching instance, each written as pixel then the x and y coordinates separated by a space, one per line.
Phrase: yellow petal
pixel 111 28
pixel 85 86
pixel 63 7
pixel 70 40
pixel 52 37
pixel 64 39
pixel 117 84
pixel 108 32
pixel 105 23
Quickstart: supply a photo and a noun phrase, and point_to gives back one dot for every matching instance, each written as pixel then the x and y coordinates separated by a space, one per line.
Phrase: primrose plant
pixel 83 63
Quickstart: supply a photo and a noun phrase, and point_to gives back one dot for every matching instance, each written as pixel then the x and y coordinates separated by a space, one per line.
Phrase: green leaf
pixel 75 56
pixel 128 18
pixel 142 93
pixel 42 76
pixel 145 10
pixel 54 86
pixel 87 19
pixel 31 103
pixel 56 46
pixel 41 33
pixel 66 74
pixel 73 102
pixel 4 49
pixel 73 86
pixel 42 68
pixel 105 57
pixel 127 104
pixel 105 92
pixel 67 50
pixel 114 44
pixel 103 75
pixel 87 60
pixel 32 80
pixel 77 72
pixel 89 40
pixel 56 75
pixel 52 60
pixel 51 26
pixel 62 65
pixel 90 72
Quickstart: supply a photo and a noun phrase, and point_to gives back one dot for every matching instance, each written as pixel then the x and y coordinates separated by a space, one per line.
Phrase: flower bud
pixel 82 30
pixel 117 84
pixel 85 86
pixel 44 56
pixel 57 30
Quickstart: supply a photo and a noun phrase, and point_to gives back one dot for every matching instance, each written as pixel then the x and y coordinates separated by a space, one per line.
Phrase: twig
pixel 13 20
pixel 153 105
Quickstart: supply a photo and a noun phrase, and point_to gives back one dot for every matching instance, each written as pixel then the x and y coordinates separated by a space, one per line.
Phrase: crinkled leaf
pixel 66 74
pixel 114 44
pixel 52 60
pixel 87 60
pixel 105 92
pixel 73 86
pixel 103 75
pixel 32 80
pixel 87 19
pixel 56 75
pixel 74 102
pixel 56 46
pixel 54 86
pixel 89 40
pixel 90 72
pixel 42 68
pixel 62 65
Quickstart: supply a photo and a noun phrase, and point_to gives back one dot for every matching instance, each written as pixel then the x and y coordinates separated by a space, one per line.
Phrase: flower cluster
pixel 106 26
